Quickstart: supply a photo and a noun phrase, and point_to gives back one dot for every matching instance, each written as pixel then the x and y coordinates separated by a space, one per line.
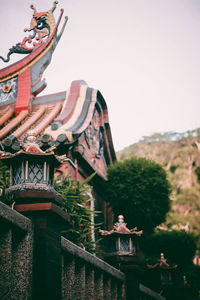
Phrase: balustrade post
pixel 121 292
pixel 68 277
pixel 5 262
pixel 98 286
pixel 47 263
pixel 114 289
pixel 79 286
pixel 22 246
pixel 107 288
pixel 89 283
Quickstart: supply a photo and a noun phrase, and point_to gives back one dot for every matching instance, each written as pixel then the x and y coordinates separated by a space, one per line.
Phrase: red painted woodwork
pixel 24 91
pixel 49 206
pixel 71 101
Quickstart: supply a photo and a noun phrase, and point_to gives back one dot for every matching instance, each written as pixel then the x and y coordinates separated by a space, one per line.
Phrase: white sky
pixel 143 55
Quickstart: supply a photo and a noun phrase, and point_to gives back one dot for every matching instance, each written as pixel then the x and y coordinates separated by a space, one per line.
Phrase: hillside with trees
pixel 179 154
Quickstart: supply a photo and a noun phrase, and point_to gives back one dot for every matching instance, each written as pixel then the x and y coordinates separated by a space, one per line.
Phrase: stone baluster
pixel 68 277
pixel 89 283
pixel 79 285
pixel 107 288
pixel 121 292
pixel 114 289
pixel 98 285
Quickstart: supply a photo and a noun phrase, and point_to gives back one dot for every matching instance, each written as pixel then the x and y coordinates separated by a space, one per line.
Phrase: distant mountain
pixel 179 154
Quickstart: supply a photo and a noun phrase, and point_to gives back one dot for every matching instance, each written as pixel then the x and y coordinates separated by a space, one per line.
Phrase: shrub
pixel 178 246
pixel 139 189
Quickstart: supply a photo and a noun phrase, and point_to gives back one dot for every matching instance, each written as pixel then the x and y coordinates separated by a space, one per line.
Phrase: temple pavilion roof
pixel 120 228
pixel 75 120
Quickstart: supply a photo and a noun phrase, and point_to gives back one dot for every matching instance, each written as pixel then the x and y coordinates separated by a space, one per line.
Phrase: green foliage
pixel 76 198
pixel 178 246
pixel 4 183
pixel 192 274
pixel 4 176
pixel 138 188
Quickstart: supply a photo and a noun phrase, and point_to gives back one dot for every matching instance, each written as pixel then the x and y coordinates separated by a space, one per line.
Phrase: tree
pixel 4 183
pixel 139 189
pixel 4 177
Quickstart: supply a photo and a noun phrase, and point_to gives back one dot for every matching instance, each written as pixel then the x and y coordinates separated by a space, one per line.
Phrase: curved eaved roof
pixel 73 123
pixel 77 118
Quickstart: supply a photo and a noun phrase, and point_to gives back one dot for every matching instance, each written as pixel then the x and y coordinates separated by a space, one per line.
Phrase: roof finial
pixel 54 6
pixel 162 257
pixel 34 9
pixel 31 143
pixel 121 219
pixel 31 138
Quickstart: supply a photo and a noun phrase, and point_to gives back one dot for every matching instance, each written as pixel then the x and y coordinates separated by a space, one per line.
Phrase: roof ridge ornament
pixel 42 25
pixel 31 143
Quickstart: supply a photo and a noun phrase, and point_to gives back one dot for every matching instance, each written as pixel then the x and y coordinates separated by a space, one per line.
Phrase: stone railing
pixel 37 263
pixel 87 277
pixel 84 276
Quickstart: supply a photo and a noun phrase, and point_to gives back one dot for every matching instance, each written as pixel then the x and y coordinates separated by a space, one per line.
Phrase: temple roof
pixel 120 228
pixel 162 264
pixel 76 119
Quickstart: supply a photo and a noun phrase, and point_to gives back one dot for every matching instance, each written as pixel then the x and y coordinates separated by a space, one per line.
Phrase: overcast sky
pixel 143 55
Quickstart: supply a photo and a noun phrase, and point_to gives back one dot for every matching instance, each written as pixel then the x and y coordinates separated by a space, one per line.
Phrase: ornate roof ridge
pixel 22 80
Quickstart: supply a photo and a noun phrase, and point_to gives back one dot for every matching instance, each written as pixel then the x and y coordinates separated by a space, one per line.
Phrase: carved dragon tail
pixel 6 59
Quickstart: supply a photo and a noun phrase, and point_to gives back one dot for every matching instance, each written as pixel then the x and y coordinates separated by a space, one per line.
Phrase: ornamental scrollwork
pixel 42 25
pixel 94 137
pixel 8 89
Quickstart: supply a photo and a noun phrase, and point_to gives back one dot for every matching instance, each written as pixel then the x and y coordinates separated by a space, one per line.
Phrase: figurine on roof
pixel 31 145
